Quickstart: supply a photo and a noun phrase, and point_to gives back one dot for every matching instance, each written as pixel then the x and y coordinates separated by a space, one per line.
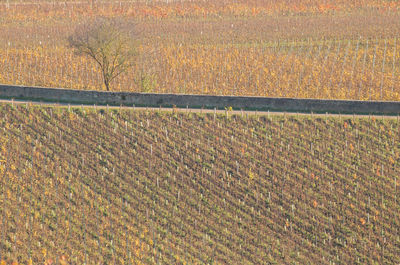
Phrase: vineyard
pixel 118 186
pixel 100 185
pixel 305 49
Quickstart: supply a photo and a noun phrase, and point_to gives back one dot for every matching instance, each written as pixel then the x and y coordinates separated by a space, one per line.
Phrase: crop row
pixel 43 10
pixel 108 186
pixel 343 69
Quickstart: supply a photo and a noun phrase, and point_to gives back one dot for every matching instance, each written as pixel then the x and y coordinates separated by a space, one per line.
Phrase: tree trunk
pixel 107 83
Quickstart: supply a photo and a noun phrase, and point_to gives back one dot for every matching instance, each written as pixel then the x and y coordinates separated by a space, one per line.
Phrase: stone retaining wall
pixel 198 101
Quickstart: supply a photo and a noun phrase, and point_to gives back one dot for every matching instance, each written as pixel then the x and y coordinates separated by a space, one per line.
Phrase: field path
pixel 192 110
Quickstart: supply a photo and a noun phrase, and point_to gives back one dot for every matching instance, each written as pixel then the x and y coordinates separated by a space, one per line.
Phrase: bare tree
pixel 109 42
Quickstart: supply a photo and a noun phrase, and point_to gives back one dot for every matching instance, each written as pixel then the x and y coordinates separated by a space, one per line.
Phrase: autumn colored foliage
pixel 305 48
pixel 40 10
pixel 117 186
pixel 109 186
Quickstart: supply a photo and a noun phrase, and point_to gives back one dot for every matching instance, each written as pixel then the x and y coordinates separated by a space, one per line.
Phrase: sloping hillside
pixel 148 187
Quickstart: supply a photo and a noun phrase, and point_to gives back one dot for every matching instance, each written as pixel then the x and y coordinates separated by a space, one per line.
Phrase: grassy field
pixel 98 186
pixel 304 48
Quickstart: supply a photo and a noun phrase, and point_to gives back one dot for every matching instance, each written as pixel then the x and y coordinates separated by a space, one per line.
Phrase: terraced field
pixel 98 186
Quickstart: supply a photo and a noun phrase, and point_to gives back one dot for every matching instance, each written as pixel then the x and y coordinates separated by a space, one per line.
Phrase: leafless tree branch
pixel 109 42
